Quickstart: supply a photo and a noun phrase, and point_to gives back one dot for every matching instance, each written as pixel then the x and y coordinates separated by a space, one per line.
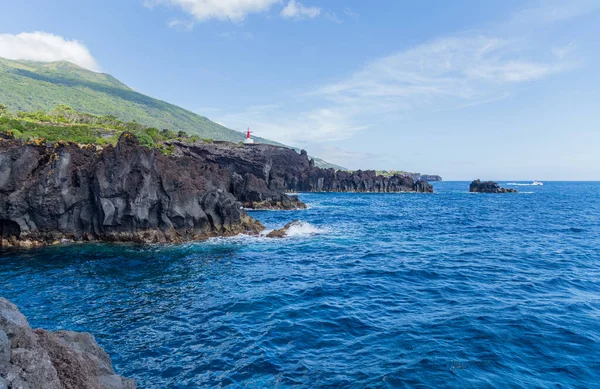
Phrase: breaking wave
pixel 305 229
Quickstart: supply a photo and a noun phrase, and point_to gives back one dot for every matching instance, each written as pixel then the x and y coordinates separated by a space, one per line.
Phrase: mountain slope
pixel 30 86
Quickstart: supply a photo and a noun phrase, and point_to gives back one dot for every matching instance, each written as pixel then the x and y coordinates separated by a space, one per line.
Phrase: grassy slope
pixel 32 86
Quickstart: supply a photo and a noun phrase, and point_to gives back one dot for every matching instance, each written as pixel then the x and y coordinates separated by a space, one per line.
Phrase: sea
pixel 444 290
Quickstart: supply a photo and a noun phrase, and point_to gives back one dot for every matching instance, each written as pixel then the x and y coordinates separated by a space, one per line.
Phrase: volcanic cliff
pixel 63 191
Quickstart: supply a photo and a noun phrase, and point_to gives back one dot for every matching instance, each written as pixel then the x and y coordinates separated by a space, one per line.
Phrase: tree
pixel 4 110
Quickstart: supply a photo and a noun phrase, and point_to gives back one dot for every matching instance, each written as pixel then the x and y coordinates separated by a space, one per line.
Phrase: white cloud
pixel 296 10
pixel 448 73
pixel 549 11
pixel 298 129
pixel 351 13
pixel 449 70
pixel 45 47
pixel 178 24
pixel 202 10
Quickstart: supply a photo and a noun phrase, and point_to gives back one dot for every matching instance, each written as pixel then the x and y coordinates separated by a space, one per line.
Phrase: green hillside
pixel 32 86
pixel 37 86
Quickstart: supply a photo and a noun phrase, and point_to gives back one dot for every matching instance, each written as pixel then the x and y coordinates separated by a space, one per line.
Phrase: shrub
pixel 145 140
pixel 153 133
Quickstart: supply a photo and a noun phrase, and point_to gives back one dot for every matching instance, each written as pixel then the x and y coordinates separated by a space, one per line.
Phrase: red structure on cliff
pixel 248 139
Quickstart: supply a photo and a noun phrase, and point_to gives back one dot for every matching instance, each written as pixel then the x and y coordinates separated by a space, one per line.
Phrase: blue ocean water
pixel 377 291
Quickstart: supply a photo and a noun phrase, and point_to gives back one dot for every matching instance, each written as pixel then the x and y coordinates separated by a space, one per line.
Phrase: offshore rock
pixel 126 193
pixel 478 186
pixel 39 359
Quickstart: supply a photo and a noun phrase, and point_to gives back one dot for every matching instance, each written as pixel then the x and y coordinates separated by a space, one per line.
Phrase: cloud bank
pixel 45 47
pixel 453 70
pixel 448 73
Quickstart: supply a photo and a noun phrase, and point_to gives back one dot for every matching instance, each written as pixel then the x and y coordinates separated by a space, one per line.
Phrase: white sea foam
pixel 302 229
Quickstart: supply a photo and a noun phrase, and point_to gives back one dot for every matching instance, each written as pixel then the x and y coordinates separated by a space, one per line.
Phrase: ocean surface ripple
pixel 374 291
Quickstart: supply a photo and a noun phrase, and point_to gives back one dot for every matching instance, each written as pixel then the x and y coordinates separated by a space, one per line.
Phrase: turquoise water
pixel 377 291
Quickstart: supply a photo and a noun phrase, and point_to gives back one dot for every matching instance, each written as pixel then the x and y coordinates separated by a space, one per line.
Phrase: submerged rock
pixel 39 359
pixel 282 232
pixel 478 186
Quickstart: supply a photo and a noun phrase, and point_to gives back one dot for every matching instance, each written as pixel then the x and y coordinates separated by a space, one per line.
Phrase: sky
pixel 498 89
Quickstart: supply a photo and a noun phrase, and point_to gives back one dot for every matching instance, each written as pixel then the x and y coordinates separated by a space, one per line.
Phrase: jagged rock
pixel 282 232
pixel 123 193
pixel 479 186
pixel 39 359
pixel 263 173
pixel 4 348
pixel 54 192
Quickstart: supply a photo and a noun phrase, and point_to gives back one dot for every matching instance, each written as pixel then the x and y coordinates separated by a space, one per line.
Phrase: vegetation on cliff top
pixel 63 123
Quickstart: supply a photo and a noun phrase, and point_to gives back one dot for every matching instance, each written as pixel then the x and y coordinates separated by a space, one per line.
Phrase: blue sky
pixel 466 89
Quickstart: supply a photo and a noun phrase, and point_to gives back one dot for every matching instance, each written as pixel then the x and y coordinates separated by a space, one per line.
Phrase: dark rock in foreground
pixel 127 193
pixel 39 359
pixel 478 186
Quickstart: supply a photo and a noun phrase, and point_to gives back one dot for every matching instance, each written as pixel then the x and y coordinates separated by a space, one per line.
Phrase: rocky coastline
pixel 40 359
pixel 57 192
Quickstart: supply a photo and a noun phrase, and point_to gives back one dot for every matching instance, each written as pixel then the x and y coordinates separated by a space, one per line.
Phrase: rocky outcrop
pixel 282 232
pixel 478 186
pixel 39 359
pixel 54 192
pixel 63 191
pixel 264 173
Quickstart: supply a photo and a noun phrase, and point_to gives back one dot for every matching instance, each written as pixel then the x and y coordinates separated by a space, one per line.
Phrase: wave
pixel 305 229
pixel 302 229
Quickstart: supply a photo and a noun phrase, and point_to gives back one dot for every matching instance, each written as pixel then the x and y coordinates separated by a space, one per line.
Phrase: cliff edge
pixel 63 191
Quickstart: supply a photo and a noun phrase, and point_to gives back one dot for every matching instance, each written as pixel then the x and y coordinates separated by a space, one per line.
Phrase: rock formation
pixel 282 232
pixel 122 193
pixel 488 187
pixel 39 359
pixel 64 191
pixel 264 173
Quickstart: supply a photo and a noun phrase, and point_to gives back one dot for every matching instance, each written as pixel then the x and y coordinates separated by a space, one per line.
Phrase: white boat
pixel 537 183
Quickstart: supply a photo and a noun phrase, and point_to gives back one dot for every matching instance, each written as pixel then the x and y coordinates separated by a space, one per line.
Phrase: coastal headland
pixel 53 192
